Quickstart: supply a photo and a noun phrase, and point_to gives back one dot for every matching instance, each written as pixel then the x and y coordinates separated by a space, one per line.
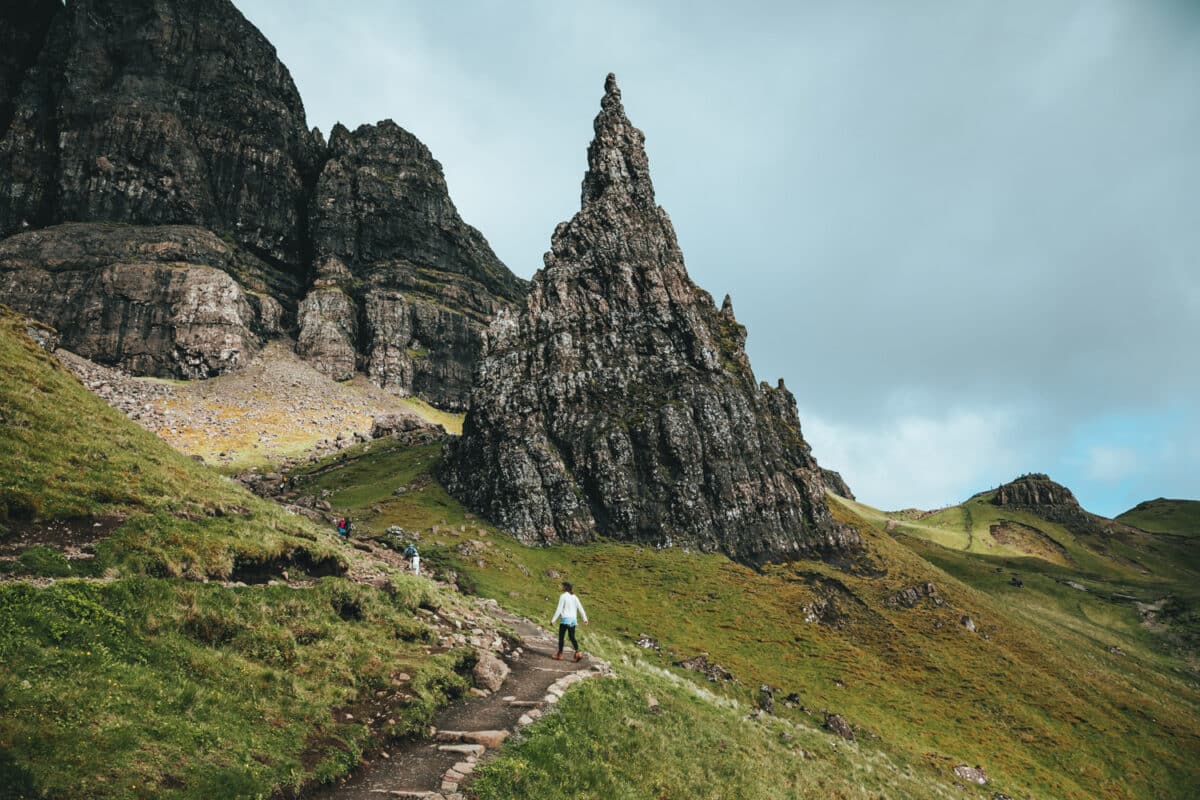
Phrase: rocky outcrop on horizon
pixel 1037 494
pixel 620 401
pixel 1035 490
pixel 179 113
pixel 403 285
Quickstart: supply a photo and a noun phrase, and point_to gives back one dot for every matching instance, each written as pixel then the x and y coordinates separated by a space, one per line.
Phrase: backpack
pixel 410 551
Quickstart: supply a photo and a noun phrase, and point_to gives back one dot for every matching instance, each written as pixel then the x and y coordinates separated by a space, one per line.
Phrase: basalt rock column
pixel 620 401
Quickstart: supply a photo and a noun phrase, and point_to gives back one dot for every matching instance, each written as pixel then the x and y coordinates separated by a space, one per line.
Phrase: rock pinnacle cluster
pixel 619 400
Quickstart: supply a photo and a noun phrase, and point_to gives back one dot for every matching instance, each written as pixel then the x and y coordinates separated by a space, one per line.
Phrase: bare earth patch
pixel 73 536
pixel 275 407
pixel 1030 541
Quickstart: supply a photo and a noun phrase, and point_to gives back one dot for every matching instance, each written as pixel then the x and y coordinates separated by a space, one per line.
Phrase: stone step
pixel 526 703
pixel 485 738
pixel 489 739
pixel 463 749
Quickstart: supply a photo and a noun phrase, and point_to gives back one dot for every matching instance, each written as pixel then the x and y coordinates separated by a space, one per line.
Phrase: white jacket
pixel 569 607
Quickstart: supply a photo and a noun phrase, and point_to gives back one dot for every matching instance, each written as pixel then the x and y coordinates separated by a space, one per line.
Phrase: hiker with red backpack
pixel 569 610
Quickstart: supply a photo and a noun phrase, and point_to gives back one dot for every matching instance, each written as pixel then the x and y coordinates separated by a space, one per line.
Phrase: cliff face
pixel 155 300
pixel 177 112
pixel 23 25
pixel 620 401
pixel 155 112
pixel 403 286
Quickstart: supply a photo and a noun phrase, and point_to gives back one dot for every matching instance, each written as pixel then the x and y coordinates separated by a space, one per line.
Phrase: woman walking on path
pixel 570 610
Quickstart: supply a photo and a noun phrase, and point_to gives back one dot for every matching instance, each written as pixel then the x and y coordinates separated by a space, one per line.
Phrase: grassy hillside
pixel 1128 589
pixel 67 457
pixel 144 665
pixel 1181 517
pixel 981 528
pixel 1044 705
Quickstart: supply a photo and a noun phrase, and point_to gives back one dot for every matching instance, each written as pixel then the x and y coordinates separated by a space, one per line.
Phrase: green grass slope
pixel 133 670
pixel 1085 703
pixel 1129 590
pixel 65 455
pixel 1180 517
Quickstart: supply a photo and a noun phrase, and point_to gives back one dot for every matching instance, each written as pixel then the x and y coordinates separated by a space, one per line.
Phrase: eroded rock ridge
pixel 620 401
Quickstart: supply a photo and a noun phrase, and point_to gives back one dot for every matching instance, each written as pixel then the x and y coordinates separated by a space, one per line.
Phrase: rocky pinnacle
pixel 620 402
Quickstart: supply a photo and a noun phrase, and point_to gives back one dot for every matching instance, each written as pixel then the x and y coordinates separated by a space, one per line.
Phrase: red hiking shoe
pixel 578 656
pixel 558 656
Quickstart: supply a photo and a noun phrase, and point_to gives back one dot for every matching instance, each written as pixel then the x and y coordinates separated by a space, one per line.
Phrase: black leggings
pixel 563 630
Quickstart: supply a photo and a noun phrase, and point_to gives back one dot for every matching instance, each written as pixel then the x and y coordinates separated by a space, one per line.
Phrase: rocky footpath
pixel 516 685
pixel 161 114
pixel 403 286
pixel 620 402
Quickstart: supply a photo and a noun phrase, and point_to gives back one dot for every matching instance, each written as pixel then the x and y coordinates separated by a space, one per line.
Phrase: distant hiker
pixel 414 558
pixel 343 527
pixel 570 610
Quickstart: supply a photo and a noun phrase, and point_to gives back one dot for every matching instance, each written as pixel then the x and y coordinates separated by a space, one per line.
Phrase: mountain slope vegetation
pixel 137 662
pixel 1180 517
pixel 164 633
pixel 1056 692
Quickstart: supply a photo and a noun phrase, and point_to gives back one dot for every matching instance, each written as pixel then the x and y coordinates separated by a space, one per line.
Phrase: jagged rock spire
pixel 621 402
pixel 617 163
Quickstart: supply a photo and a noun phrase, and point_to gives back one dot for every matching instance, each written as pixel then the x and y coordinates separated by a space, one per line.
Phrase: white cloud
pixel 1111 464
pixel 921 461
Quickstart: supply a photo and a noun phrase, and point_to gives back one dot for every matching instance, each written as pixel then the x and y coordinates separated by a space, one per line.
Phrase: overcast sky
pixel 966 233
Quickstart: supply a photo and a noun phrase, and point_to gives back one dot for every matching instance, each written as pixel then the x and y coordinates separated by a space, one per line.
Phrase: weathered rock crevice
pixel 417 286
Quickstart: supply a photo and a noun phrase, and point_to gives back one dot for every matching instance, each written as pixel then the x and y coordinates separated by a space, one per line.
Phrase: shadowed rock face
pixel 23 25
pixel 1036 490
pixel 178 112
pixel 620 401
pixel 160 111
pixel 404 287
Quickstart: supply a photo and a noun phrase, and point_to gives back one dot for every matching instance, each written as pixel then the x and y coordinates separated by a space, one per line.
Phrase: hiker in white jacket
pixel 569 610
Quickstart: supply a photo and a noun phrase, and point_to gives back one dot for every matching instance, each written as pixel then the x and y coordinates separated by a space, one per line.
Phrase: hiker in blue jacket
pixel 570 610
